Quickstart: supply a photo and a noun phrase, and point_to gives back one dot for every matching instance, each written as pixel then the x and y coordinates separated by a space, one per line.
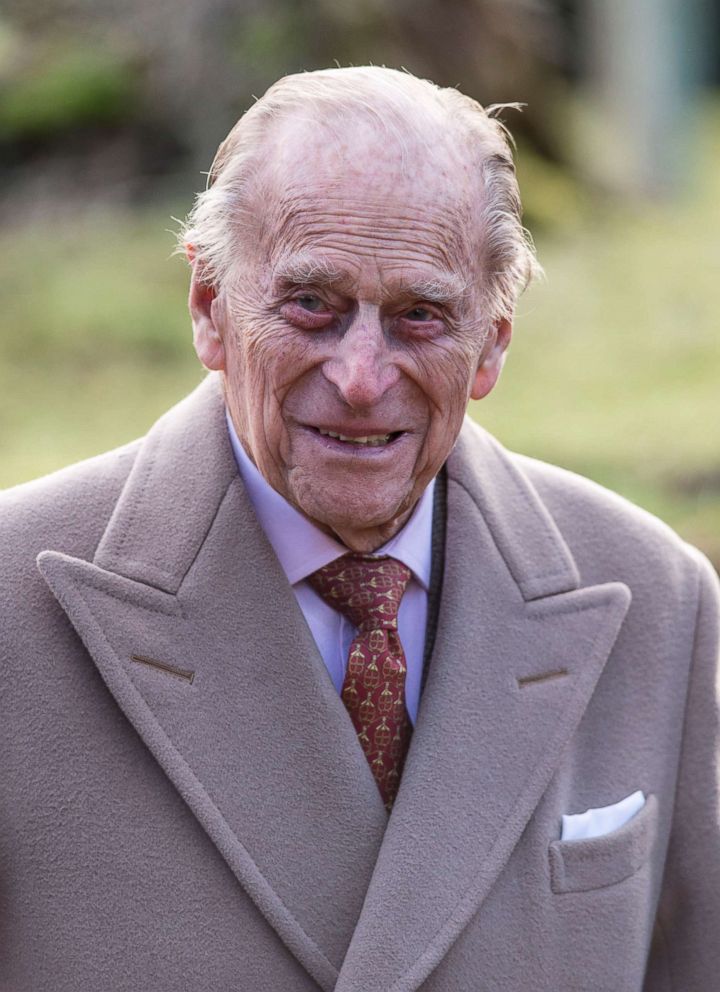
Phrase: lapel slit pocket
pixel 595 863
pixel 162 666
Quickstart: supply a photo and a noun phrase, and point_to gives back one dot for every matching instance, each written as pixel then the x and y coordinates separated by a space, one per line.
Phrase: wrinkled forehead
pixel 358 186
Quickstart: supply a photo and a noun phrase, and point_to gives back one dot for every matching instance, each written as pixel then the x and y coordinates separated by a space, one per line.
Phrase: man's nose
pixel 361 366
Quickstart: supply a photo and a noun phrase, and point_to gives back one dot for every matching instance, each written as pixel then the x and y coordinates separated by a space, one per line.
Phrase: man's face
pixel 352 334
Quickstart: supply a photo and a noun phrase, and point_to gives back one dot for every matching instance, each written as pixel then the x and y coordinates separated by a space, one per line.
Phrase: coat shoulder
pixel 610 536
pixel 65 511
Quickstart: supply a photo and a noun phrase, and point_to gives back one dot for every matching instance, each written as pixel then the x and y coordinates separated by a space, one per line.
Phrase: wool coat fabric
pixel 184 806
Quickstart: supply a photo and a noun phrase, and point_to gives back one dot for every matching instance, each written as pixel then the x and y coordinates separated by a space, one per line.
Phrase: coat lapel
pixel 196 633
pixel 519 650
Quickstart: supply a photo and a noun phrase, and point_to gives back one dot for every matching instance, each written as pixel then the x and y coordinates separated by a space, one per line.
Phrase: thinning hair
pixel 400 104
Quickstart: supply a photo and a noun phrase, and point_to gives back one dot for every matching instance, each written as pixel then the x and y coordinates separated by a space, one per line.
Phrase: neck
pixel 366 540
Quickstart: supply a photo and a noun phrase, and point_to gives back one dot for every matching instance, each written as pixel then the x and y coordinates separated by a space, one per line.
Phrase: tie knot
pixel 365 589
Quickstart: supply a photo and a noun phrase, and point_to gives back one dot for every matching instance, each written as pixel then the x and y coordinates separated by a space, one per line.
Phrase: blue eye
pixel 419 314
pixel 309 302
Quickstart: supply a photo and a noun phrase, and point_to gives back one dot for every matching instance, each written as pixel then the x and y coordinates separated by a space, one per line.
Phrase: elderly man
pixel 316 686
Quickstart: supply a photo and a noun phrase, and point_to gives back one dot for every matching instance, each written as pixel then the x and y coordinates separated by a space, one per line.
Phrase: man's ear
pixel 206 334
pixel 490 367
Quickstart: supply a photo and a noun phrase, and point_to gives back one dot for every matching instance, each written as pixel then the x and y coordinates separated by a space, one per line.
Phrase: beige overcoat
pixel 184 806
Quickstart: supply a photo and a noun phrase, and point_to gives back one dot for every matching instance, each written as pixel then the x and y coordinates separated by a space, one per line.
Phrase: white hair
pixel 400 104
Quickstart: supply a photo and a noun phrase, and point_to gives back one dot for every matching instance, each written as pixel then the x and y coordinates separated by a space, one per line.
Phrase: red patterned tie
pixel 367 591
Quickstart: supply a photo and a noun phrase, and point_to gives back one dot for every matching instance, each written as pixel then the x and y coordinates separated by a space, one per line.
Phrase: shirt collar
pixel 302 548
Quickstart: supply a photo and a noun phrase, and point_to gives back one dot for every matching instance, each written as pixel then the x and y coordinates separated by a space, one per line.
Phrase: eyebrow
pixel 305 270
pixel 443 288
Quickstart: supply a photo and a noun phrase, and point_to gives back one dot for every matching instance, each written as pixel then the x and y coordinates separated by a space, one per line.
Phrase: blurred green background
pixel 109 112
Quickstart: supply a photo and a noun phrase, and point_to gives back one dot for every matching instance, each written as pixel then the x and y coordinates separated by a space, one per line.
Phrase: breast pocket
pixel 580 865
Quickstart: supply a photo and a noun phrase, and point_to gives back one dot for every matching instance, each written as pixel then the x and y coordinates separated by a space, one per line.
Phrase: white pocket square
pixel 604 819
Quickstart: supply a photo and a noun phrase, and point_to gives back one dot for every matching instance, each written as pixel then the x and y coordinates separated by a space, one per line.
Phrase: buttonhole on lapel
pixel 525 680
pixel 181 673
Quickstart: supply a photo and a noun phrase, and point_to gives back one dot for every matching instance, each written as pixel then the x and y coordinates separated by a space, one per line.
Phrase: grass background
pixel 614 370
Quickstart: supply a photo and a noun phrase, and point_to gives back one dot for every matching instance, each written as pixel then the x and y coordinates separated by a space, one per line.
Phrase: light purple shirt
pixel 301 548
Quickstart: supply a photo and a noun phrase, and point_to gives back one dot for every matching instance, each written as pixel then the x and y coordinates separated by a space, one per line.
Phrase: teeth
pixel 374 439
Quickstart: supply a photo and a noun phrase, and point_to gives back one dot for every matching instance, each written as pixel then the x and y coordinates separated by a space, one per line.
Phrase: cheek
pixel 270 365
pixel 444 370
pixel 270 357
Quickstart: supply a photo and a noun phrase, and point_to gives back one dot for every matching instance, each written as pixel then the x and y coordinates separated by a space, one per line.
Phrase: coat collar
pixel 490 730
pixel 259 744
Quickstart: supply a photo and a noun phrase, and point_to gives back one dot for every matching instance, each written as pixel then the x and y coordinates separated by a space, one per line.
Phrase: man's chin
pixel 356 520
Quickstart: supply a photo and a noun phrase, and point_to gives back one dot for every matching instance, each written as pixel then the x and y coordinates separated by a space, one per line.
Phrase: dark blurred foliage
pixel 100 98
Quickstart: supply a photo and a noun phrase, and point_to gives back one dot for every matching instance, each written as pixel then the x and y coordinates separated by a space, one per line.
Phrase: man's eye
pixel 419 314
pixel 310 302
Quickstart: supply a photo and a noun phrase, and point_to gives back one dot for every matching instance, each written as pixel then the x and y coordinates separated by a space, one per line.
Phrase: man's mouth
pixel 361 440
